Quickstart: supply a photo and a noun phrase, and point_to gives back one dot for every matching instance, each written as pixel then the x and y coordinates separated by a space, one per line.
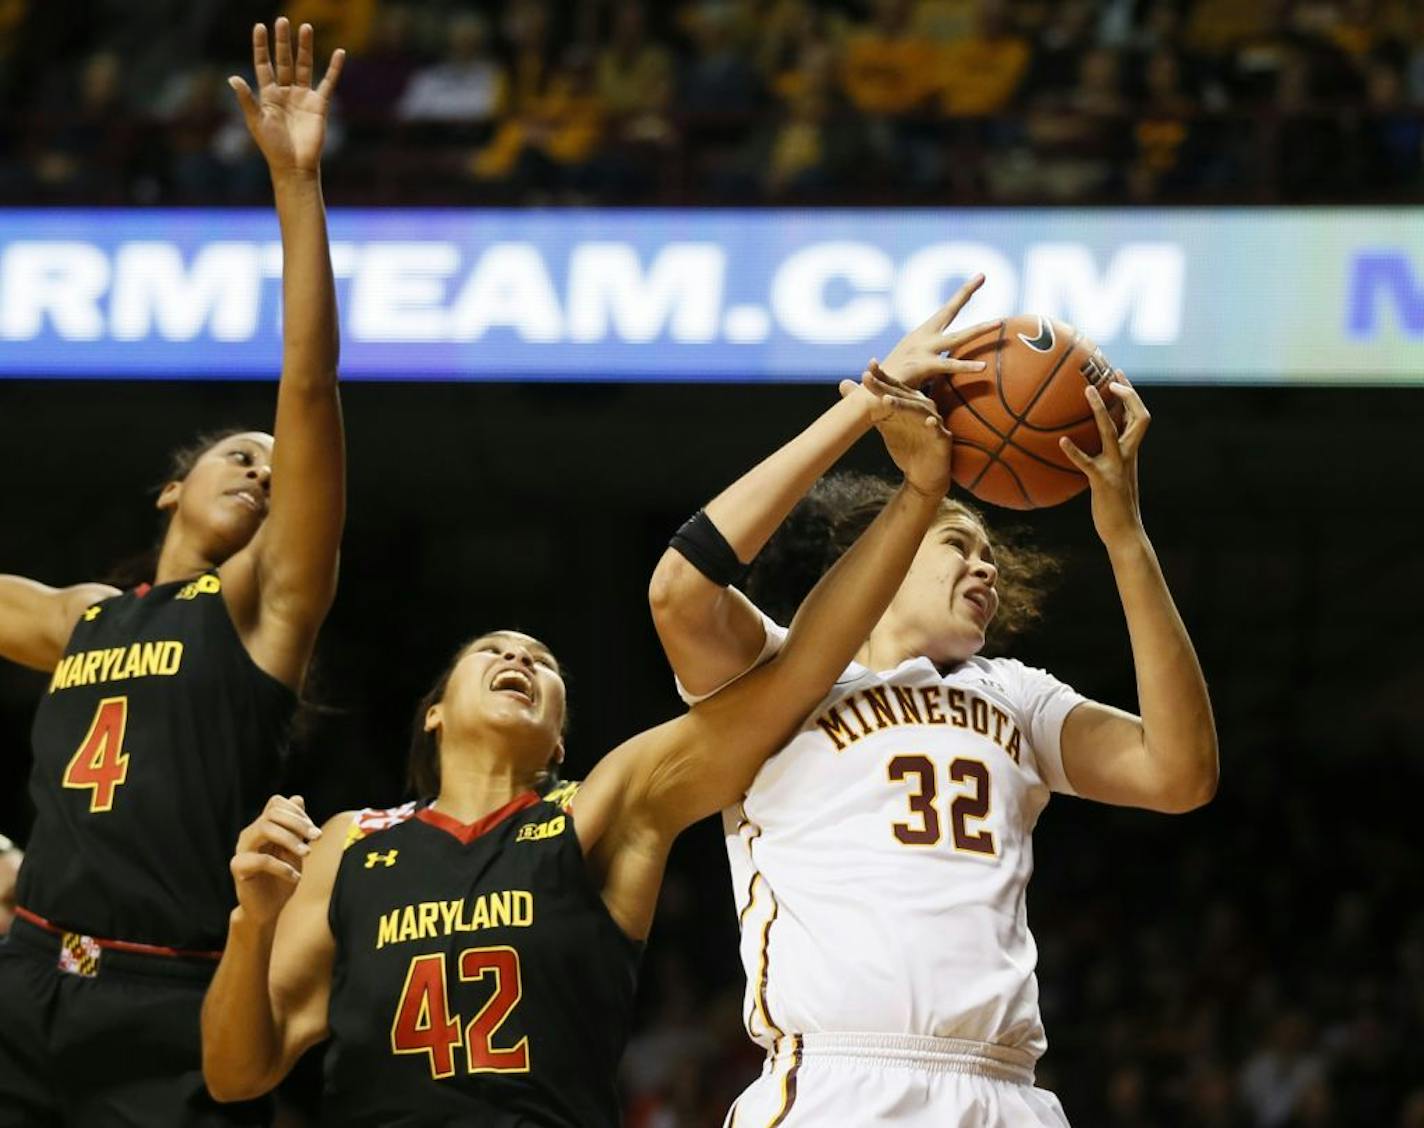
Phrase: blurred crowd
pixel 736 101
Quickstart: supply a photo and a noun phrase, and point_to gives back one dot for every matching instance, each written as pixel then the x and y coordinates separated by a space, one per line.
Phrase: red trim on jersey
pixel 468 832
pixel 142 590
pixel 118 945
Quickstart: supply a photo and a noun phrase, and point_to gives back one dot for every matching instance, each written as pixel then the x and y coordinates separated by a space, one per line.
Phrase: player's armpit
pixel 36 620
pixel 1106 758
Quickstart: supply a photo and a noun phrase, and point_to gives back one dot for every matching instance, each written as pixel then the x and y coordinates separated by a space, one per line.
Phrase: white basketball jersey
pixel 880 861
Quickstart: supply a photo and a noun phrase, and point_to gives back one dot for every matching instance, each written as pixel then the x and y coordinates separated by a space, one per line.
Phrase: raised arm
pixel 709 630
pixel 268 1001
pixel 36 620
pixel 1166 759
pixel 643 794
pixel 285 579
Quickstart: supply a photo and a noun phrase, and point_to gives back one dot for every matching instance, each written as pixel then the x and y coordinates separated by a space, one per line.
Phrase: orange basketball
pixel 1007 420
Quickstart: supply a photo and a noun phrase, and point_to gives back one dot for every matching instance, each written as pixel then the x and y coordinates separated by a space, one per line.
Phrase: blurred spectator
pixel 1393 141
pixel 195 171
pixel 720 77
pixel 345 22
pixel 809 150
pixel 980 73
pixel 635 73
pixel 888 69
pixel 10 859
pixel 1065 38
pixel 547 144
pixel 375 79
pixel 70 162
pixel 1276 1079
pixel 1208 101
pixel 468 86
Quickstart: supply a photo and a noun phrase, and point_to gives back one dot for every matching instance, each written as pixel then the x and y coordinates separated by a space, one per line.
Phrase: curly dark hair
pixel 423 761
pixel 838 508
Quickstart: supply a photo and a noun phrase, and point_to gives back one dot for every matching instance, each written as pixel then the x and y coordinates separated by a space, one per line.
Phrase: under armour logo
pixel 387 859
pixel 92 613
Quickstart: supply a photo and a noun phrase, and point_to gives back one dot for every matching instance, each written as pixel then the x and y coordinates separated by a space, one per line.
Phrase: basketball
pixel 1007 420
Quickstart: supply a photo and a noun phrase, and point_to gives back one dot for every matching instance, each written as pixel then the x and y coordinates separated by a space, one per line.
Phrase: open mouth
pixel 515 682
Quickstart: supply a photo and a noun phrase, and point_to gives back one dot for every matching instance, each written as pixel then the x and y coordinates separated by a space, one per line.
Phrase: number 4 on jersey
pixel 100 763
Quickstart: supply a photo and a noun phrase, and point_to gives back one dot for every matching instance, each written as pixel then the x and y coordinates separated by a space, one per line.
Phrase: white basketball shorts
pixel 855 1080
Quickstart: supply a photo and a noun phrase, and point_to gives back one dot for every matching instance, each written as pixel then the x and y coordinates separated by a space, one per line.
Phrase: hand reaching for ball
pixel 1112 474
pixel 910 424
pixel 926 352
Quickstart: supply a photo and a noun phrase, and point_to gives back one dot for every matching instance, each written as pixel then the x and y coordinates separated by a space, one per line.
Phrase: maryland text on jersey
pixel 424 920
pixel 118 663
pixel 879 707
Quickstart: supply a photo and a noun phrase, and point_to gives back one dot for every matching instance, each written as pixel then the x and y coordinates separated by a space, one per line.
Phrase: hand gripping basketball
pixel 1112 474
pixel 268 863
pixel 909 423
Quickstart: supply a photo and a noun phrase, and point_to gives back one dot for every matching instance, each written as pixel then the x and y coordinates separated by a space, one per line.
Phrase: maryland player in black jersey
pixel 473 957
pixel 168 705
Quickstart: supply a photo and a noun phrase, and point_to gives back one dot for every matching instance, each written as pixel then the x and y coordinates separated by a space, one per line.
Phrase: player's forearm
pixel 310 337
pixel 242 1038
pixel 753 507
pixel 1179 733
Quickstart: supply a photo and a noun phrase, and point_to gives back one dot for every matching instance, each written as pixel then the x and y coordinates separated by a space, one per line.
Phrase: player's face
pixel 948 597
pixel 509 682
pixel 225 496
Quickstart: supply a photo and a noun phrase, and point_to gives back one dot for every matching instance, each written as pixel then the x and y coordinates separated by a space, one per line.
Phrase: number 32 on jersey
pixel 970 805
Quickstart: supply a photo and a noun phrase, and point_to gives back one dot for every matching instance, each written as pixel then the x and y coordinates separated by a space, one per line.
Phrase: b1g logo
pixel 203 585
pixel 535 832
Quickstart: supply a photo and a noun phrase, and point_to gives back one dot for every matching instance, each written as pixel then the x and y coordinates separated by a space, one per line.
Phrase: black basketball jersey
pixel 478 978
pixel 156 742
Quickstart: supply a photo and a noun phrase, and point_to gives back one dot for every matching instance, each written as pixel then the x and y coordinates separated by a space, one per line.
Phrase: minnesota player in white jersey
pixel 880 861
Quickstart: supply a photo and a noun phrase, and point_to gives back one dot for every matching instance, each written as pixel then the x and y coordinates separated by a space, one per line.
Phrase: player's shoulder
pixel 369 821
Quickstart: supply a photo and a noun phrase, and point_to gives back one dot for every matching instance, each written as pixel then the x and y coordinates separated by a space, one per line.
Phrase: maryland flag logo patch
pixel 79 955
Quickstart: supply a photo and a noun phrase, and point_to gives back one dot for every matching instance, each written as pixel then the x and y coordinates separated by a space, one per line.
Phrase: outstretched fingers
pixel 262 57
pixel 961 297
pixel 333 73
pixel 303 73
pixel 246 100
pixel 284 51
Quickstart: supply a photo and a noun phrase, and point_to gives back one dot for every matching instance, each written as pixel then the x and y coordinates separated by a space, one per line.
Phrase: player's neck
pixel 179 559
pixel 471 786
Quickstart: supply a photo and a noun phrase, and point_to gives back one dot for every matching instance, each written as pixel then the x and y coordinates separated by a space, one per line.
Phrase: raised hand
pixel 910 424
pixel 268 862
pixel 918 357
pixel 1112 474
pixel 287 116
